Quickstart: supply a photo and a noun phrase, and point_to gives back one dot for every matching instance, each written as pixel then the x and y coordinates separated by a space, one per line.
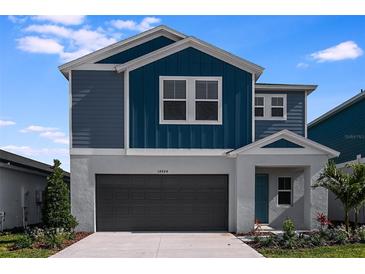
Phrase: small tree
pixel 57 207
pixel 349 187
pixel 357 179
pixel 338 182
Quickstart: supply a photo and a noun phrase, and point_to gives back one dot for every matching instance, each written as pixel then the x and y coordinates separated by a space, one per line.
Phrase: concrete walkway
pixel 159 245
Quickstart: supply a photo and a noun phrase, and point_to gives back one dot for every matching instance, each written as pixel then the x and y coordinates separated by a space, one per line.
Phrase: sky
pixel 324 50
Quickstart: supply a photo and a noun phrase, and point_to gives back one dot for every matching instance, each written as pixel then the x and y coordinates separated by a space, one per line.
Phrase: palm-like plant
pixel 357 178
pixel 342 185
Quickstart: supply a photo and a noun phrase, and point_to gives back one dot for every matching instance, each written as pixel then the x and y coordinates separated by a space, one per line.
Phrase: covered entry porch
pixel 274 181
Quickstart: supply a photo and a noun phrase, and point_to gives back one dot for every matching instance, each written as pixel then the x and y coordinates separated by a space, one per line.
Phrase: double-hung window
pixel 259 106
pixel 206 100
pixel 277 106
pixel 190 100
pixel 174 100
pixel 285 188
pixel 270 107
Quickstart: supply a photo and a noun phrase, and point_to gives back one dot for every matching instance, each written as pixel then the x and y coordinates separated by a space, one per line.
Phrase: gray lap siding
pixel 295 117
pixel 97 109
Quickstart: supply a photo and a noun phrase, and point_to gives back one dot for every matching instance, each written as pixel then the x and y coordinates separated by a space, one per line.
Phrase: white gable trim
pixel 310 147
pixel 122 46
pixel 197 44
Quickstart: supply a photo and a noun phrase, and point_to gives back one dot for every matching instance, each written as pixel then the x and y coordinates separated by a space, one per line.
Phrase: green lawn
pixel 6 241
pixel 339 251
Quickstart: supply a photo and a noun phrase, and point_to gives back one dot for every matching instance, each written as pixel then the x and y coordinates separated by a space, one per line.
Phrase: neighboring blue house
pixel 169 132
pixel 343 129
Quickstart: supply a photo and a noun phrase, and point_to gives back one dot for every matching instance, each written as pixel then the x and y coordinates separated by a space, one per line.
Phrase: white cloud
pixel 50 29
pixel 58 35
pixel 5 123
pixel 36 44
pixel 17 19
pixel 92 40
pixel 80 42
pixel 61 19
pixel 146 24
pixel 30 152
pixel 50 133
pixel 342 51
pixel 33 128
pixel 302 65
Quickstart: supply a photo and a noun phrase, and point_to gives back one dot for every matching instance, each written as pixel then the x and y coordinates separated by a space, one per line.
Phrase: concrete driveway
pixel 159 245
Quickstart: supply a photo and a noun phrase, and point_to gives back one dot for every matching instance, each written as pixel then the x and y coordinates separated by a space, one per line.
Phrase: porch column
pixel 245 194
pixel 315 199
pixel 307 197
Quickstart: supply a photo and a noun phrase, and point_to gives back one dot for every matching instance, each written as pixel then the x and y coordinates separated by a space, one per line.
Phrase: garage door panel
pixel 161 202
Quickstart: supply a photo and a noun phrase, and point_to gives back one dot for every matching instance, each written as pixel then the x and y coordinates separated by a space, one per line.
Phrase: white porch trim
pixel 310 147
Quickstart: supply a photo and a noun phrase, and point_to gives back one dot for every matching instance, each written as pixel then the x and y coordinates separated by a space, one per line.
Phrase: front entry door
pixel 262 198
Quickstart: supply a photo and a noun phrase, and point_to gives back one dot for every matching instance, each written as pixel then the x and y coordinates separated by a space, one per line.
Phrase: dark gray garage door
pixel 161 202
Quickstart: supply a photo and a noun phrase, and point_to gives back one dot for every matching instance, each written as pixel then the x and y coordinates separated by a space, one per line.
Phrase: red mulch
pixel 78 236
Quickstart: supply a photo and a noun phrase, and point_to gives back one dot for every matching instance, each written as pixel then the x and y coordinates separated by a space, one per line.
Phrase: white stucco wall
pixel 315 200
pixel 84 168
pixel 278 213
pixel 241 171
pixel 13 184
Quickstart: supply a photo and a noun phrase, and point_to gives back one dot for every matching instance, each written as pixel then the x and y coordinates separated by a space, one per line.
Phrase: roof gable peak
pixel 308 146
pixel 121 46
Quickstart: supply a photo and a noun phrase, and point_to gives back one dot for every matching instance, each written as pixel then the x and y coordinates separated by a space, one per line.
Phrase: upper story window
pixel 270 107
pixel 190 100
pixel 277 106
pixel 259 106
pixel 174 100
pixel 206 100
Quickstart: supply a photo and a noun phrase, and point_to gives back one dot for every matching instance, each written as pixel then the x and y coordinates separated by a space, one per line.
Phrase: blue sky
pixel 323 50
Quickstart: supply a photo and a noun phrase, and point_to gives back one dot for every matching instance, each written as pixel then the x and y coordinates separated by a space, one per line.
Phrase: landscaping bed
pixel 20 245
pixel 328 241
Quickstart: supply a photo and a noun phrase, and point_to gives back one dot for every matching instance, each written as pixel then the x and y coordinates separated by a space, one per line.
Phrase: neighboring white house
pixel 22 184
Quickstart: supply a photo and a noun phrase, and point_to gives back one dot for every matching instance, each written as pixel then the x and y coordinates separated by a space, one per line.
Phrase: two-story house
pixel 168 132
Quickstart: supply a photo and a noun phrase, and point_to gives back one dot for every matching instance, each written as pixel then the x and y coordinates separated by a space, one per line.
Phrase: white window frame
pixel 190 100
pixel 284 190
pixel 162 100
pixel 263 106
pixel 268 106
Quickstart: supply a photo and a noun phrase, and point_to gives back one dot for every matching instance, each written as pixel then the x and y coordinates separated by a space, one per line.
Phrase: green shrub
pixel 36 234
pixel 360 234
pixel 268 241
pixel 338 235
pixel 55 237
pixel 314 239
pixel 57 207
pixel 289 229
pixel 24 241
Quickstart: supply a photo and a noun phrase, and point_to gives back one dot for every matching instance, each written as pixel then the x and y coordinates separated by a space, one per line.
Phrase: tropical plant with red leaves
pixel 323 220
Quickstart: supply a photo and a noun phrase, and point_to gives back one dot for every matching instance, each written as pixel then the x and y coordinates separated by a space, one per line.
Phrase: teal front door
pixel 262 198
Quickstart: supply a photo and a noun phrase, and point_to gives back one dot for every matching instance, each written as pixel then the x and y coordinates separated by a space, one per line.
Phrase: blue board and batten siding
pixel 295 117
pixel 137 51
pixel 282 143
pixel 344 132
pixel 145 130
pixel 97 109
